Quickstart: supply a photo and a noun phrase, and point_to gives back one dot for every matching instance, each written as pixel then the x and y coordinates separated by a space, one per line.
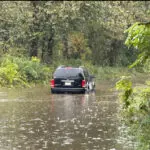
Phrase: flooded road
pixel 33 119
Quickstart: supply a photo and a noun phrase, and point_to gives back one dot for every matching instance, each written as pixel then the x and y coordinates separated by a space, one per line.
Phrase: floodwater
pixel 33 119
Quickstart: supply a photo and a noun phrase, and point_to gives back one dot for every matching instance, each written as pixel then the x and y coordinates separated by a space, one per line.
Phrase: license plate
pixel 67 83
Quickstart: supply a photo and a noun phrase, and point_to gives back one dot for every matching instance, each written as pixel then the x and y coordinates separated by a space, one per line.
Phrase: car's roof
pixel 70 67
pixel 68 71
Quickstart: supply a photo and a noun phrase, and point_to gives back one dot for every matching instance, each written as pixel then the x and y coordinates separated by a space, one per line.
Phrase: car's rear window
pixel 68 73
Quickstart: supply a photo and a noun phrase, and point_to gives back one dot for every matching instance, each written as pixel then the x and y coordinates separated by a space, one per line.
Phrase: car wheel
pixel 52 91
pixel 83 92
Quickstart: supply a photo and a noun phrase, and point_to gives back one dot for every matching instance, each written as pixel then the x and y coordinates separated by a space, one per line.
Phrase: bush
pixel 146 67
pixel 20 70
pixel 136 112
pixel 9 74
pixel 34 71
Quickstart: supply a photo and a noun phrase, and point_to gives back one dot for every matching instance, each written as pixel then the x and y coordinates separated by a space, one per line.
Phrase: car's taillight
pixel 83 83
pixel 52 83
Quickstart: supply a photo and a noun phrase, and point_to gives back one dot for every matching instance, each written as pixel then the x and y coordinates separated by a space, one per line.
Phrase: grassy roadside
pixel 114 73
pixel 25 72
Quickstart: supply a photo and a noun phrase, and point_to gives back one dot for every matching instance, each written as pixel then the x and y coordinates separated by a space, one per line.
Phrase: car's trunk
pixel 70 83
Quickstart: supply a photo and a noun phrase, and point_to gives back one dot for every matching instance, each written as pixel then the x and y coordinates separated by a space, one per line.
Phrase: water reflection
pixel 60 122
pixel 66 107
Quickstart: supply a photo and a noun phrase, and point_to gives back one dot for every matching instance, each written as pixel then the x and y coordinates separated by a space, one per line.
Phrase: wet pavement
pixel 33 119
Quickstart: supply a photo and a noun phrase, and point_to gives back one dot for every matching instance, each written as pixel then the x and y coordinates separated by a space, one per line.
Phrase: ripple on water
pixel 69 121
pixel 67 141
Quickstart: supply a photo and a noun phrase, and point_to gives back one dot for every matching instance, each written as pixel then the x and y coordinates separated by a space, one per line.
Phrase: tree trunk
pixel 34 29
pixel 50 45
pixel 48 41
pixel 65 50
pixel 113 52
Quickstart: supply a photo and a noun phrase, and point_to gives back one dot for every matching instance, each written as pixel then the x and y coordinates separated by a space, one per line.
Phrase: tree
pixel 136 100
pixel 43 28
pixel 34 28
pixel 139 37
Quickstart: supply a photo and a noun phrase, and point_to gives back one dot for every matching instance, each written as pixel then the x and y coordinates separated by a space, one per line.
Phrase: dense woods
pixel 57 30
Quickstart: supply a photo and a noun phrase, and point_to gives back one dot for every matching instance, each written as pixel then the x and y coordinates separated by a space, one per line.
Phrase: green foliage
pixel 9 74
pixel 139 111
pixel 136 112
pixel 35 29
pixel 138 37
pixel 136 101
pixel 33 70
pixel 146 67
pixel 21 71
pixel 125 85
pixel 78 47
